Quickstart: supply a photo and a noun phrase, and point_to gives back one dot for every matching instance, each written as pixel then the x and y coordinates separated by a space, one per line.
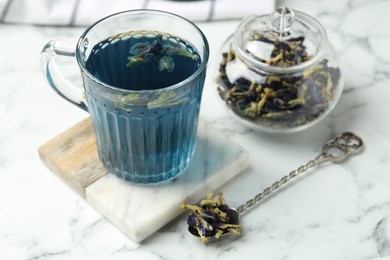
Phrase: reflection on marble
pixel 338 212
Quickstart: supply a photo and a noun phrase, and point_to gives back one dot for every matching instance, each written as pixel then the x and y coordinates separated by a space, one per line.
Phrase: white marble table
pixel 338 212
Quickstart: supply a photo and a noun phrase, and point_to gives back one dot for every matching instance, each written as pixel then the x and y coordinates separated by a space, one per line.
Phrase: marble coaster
pixel 140 210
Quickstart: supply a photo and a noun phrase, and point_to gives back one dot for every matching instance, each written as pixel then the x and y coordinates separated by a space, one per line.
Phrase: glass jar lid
pixel 284 41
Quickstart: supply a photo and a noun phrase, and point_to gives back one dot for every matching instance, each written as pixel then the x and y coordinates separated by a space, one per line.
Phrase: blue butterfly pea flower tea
pixel 142 88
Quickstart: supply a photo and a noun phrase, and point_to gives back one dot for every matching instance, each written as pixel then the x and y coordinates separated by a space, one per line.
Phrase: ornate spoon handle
pixel 335 150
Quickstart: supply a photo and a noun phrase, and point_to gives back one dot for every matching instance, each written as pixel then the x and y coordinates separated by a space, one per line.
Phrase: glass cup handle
pixel 72 93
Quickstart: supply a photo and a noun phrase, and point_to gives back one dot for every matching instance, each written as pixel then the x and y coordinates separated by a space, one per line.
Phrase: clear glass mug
pixel 142 136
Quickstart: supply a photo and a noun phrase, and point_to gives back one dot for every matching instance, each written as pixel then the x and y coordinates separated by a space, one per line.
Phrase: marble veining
pixel 335 212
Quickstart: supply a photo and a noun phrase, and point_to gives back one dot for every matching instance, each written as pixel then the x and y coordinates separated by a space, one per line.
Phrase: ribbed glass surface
pixel 143 89
pixel 147 145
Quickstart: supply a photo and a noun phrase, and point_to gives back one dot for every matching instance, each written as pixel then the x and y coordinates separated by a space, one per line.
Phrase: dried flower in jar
pixel 280 101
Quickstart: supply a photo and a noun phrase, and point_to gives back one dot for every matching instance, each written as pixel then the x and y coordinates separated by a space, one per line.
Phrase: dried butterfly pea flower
pixel 212 218
pixel 158 51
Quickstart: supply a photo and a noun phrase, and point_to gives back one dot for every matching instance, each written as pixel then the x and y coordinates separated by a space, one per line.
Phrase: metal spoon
pixel 213 218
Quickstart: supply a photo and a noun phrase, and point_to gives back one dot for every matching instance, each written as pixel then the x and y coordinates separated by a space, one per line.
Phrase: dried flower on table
pixel 212 218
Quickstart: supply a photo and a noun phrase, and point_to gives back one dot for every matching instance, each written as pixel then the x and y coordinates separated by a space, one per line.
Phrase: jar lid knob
pixel 282 18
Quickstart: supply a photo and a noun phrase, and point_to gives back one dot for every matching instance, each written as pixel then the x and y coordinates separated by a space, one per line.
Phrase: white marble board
pixel 140 210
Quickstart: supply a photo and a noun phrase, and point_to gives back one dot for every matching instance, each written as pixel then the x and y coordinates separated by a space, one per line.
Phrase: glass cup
pixel 143 136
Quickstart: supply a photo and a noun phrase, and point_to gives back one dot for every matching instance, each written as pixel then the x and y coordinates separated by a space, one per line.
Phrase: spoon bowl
pixel 233 220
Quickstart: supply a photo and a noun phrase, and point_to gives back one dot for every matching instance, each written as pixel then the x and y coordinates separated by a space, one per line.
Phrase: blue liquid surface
pixel 144 144
pixel 162 61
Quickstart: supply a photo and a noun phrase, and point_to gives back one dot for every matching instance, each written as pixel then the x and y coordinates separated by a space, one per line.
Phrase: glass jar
pixel 278 72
